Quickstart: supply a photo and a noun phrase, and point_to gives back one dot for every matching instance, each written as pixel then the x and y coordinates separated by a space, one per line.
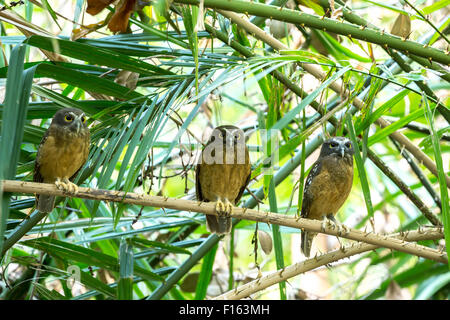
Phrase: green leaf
pixel 441 174
pixel 429 287
pixel 367 121
pixel 436 6
pixel 383 133
pixel 277 241
pixel 95 55
pixel 46 294
pixel 18 86
pixel 52 13
pixel 148 243
pixel 205 274
pixel 360 166
pixel 80 254
pixel 126 263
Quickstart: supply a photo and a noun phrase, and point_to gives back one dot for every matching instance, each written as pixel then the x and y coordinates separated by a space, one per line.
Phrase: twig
pixel 321 260
pixel 239 213
pixel 423 179
pixel 405 189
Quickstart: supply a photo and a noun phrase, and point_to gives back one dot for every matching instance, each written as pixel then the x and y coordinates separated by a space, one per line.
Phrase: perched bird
pixel 328 185
pixel 222 174
pixel 62 152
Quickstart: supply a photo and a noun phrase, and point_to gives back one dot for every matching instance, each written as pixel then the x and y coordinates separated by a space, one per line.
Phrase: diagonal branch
pixel 240 213
pixel 321 260
pixel 405 189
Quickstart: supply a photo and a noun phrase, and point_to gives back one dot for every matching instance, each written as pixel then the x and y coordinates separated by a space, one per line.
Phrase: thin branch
pixel 423 179
pixel 239 213
pixel 405 189
pixel 321 260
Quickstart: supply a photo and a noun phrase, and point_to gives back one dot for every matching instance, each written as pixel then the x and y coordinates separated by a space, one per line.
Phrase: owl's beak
pixel 78 124
pixel 230 140
pixel 342 151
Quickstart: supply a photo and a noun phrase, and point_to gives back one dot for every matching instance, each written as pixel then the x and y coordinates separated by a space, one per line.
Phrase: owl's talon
pixel 66 186
pixel 224 209
pixel 228 208
pixel 220 207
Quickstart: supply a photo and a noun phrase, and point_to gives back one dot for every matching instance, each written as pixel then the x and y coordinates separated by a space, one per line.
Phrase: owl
pixel 62 152
pixel 222 174
pixel 328 185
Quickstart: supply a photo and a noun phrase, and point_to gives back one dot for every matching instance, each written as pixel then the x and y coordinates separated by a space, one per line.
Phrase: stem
pixel 405 189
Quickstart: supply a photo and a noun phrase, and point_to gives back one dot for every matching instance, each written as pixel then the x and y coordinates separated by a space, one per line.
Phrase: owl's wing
pixel 37 174
pixel 198 190
pixel 241 191
pixel 307 195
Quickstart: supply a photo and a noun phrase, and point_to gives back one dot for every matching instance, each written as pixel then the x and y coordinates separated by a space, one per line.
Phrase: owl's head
pixel 71 119
pixel 339 146
pixel 228 135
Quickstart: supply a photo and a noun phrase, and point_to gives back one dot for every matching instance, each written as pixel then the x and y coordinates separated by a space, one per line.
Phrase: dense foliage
pixel 155 77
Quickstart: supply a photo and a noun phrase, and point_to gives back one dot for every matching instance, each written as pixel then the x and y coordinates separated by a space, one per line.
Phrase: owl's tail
pixel 306 242
pixel 45 203
pixel 219 225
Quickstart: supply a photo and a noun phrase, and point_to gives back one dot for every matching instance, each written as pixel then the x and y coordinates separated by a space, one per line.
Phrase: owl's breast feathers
pixel 225 180
pixel 61 153
pixel 328 186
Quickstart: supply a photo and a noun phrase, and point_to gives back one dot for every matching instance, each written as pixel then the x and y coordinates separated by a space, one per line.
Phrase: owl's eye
pixel 83 119
pixel 238 136
pixel 68 118
pixel 220 135
pixel 333 144
pixel 348 145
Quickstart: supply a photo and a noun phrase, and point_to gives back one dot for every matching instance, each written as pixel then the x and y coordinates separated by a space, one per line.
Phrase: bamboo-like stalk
pixel 337 87
pixel 423 179
pixel 240 213
pixel 326 24
pixel 405 189
pixel 320 260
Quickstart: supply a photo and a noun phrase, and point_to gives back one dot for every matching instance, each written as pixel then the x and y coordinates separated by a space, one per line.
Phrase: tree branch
pixel 321 260
pixel 239 213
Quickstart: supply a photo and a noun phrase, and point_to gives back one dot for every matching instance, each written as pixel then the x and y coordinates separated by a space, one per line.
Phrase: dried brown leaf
pixel 402 26
pixel 95 6
pixel 85 30
pixel 119 21
pixel 395 292
pixel 127 79
pixel 265 241
pixel 189 283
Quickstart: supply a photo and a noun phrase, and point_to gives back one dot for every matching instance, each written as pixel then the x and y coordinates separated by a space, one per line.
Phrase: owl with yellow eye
pixel 62 152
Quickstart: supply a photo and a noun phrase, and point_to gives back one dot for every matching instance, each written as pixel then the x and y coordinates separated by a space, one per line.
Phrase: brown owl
pixel 62 152
pixel 328 185
pixel 222 174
